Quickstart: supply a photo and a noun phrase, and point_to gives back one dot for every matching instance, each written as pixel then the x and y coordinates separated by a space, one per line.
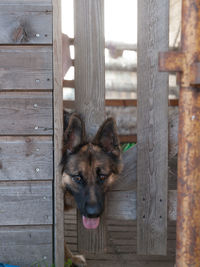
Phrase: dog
pixel 89 169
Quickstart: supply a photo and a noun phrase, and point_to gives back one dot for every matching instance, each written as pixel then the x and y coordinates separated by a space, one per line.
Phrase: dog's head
pixel 90 168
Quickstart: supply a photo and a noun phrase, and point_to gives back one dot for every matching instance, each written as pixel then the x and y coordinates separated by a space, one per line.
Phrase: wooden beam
pixel 152 129
pixel 119 103
pixel 128 138
pixel 58 134
pixel 121 46
pixel 90 91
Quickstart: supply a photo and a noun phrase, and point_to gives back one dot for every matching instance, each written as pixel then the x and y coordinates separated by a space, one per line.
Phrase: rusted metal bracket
pixel 195 74
pixel 171 61
pixel 187 64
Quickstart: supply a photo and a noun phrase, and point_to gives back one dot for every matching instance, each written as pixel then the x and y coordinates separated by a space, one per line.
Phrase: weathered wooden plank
pixel 27 23
pixel 117 102
pixel 26 203
pixel 58 134
pixel 152 128
pixel 27 113
pixel 127 179
pixel 90 90
pixel 25 67
pixel 90 62
pixel 120 231
pixel 122 205
pixel 25 245
pixel 127 263
pixel 127 123
pixel 94 240
pixel 26 158
pixel 19 4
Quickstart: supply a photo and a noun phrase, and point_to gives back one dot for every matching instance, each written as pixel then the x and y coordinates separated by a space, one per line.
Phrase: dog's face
pixel 90 168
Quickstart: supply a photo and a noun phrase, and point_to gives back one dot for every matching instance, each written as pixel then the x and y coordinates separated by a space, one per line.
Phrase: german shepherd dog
pixel 89 168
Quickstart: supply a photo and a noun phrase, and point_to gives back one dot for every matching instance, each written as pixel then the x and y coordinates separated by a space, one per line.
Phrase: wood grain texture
pixel 28 23
pixel 25 67
pixel 127 123
pixel 122 205
pixel 90 91
pixel 25 245
pixel 26 203
pixel 27 5
pixel 127 263
pixel 27 113
pixel 26 158
pixel 92 241
pixel 152 131
pixel 121 246
pixel 58 134
pixel 90 62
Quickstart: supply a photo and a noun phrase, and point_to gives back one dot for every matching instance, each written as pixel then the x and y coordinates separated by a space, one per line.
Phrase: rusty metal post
pixel 187 62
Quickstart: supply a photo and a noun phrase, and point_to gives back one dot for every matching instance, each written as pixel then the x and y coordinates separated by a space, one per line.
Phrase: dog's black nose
pixel 93 210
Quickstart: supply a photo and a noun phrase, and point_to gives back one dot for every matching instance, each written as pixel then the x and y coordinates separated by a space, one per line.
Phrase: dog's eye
pixel 102 177
pixel 77 179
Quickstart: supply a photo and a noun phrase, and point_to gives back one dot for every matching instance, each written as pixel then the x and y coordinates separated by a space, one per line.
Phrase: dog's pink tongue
pixel 90 223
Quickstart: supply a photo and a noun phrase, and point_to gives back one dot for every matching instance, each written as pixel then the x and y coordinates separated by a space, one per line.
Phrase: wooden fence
pixel 31 206
pixel 115 242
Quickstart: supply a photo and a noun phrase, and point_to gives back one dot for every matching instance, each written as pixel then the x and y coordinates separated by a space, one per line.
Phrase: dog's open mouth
pixel 90 223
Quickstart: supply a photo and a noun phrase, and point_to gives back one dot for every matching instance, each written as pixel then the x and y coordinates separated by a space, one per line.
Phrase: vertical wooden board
pixel 25 67
pixel 26 203
pixel 25 23
pixel 152 126
pixel 26 158
pixel 90 91
pixel 58 134
pixel 27 113
pixel 26 245
pixel 90 62
pixel 92 241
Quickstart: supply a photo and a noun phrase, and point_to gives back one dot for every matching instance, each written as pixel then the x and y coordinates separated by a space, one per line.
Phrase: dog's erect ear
pixel 107 136
pixel 74 135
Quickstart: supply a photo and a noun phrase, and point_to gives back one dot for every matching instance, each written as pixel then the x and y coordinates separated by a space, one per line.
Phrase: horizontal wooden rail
pixel 125 66
pixel 69 83
pixel 119 103
pixel 114 86
pixel 121 46
pixel 128 138
pixel 132 138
